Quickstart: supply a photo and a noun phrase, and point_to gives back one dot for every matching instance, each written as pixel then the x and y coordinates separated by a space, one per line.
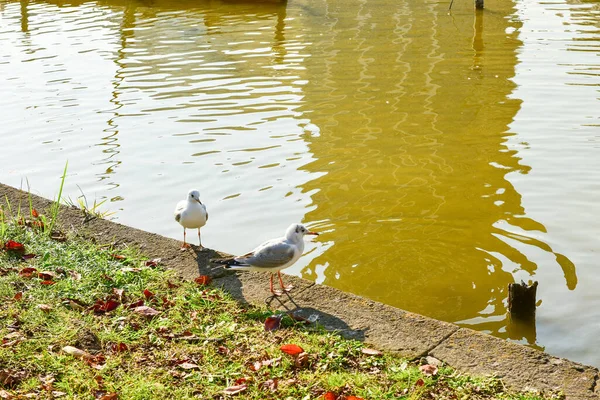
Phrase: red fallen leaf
pixel 291 349
pixel 167 303
pixel 273 322
pixel 223 350
pixel 428 369
pixel 203 280
pixel 104 306
pixel 148 294
pixel 241 380
pixel 46 275
pixel 329 396
pixel 18 296
pixel 135 304
pixel 146 311
pixel 172 285
pixel 353 398
pixel 419 382
pixel 47 283
pixel 119 348
pixel 235 389
pixel 107 277
pixel 11 245
pixel 27 272
pixel 371 352
pixel 152 263
pixel 110 396
pixel 118 256
pixel 29 256
pixel 34 213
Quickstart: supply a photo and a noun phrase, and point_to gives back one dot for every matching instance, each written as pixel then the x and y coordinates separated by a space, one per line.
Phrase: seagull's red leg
pixel 275 292
pixel 185 245
pixel 285 288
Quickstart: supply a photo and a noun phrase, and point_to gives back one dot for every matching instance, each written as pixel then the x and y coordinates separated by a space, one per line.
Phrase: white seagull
pixel 273 255
pixel 191 213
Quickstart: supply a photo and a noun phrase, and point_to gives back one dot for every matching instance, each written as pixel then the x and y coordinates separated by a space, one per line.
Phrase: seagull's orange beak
pixel 312 233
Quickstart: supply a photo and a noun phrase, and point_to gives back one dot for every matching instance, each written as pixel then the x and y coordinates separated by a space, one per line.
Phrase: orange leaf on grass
pixel 11 245
pixel 148 294
pixel 203 280
pixel 34 213
pixel 329 396
pixel 291 349
pixel 18 296
pixel 27 272
pixel 419 382
pixel 46 275
pixel 353 398
pixel 118 256
pixel 47 283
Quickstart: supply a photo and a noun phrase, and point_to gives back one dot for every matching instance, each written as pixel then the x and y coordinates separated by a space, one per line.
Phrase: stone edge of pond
pixel 381 326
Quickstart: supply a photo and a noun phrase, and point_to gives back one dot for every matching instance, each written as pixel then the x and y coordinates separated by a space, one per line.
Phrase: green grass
pixel 198 327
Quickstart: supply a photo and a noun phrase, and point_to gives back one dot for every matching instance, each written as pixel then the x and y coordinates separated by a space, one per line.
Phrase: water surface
pixel 443 155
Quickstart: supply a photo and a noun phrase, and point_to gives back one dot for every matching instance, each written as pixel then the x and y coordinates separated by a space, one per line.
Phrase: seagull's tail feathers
pixel 231 263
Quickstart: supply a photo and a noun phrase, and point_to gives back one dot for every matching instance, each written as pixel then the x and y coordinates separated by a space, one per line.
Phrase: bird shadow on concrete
pixel 252 288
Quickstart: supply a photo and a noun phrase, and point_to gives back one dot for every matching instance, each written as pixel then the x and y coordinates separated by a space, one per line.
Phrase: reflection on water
pixel 414 138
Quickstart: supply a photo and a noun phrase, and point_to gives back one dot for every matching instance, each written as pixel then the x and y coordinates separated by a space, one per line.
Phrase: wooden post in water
pixel 479 4
pixel 521 300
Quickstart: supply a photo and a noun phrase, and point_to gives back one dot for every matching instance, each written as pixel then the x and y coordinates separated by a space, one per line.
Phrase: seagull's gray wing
pixel 269 255
pixel 178 209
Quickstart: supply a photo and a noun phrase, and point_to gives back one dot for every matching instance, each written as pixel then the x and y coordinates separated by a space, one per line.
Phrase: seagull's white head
pixel 296 232
pixel 194 195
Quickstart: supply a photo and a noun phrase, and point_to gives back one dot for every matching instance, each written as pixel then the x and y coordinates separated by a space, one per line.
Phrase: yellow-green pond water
pixel 443 155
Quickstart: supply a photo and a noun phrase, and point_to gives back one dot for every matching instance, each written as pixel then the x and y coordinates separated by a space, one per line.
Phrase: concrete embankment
pixel 384 327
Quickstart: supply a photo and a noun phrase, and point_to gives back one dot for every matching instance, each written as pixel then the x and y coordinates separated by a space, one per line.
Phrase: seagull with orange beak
pixel 273 255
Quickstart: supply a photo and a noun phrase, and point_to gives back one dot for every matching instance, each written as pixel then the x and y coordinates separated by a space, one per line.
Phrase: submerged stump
pixel 521 300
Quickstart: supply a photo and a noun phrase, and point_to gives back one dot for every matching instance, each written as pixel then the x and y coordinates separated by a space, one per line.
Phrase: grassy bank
pixel 89 321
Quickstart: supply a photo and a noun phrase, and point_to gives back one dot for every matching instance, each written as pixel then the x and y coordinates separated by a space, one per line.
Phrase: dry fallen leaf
pixel 75 352
pixel 148 294
pixel 235 389
pixel 271 384
pixel 428 369
pixel 301 360
pixel 419 382
pixel 46 275
pixel 353 398
pixel 152 263
pixel 291 349
pixel 18 296
pixel 146 311
pixel 44 307
pixel 188 365
pixel 371 352
pixel 273 322
pixel 76 276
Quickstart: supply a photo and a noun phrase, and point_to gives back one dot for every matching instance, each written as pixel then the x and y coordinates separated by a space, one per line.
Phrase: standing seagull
pixel 191 213
pixel 273 255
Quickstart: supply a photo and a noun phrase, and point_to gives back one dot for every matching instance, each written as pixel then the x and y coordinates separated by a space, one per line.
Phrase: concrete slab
pixel 518 366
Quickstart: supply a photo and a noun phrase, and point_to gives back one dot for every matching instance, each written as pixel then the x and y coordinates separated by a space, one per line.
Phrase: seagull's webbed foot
pixel 185 246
